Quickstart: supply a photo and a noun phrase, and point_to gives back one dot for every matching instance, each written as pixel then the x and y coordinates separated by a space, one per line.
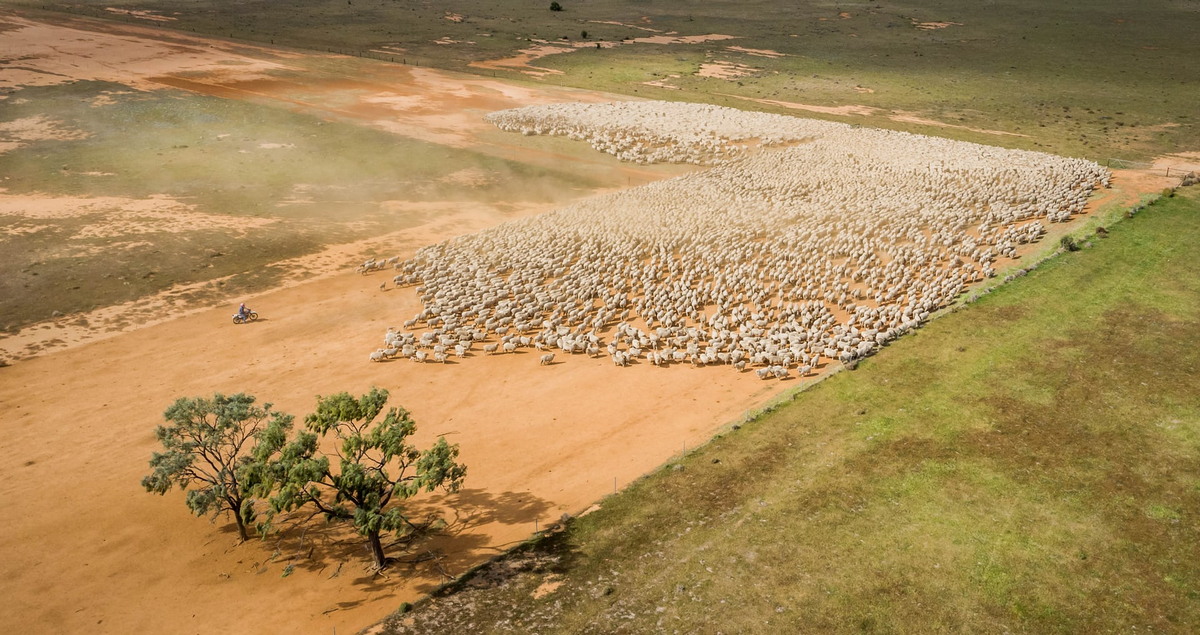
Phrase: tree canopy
pixel 376 467
pixel 216 449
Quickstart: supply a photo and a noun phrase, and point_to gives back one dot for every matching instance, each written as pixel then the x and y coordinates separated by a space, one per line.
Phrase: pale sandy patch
pixel 112 246
pixel 756 52
pixel 21 132
pixel 663 83
pixel 9 229
pixel 933 26
pixel 58 53
pixel 121 223
pixel 1178 164
pixel 550 585
pixel 397 101
pixel 682 39
pixel 276 146
pixel 153 16
pixel 523 60
pixel 453 17
pixel 119 216
pixel 50 207
pixel 864 90
pixel 726 70
pixel 107 98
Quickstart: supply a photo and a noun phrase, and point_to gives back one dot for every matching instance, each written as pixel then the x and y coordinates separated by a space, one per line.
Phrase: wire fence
pixel 1165 170
pixel 1124 164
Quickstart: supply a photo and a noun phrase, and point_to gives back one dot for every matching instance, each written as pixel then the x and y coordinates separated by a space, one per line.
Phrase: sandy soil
pixel 56 53
pixel 19 132
pixel 90 551
pixel 726 70
pixel 933 26
pixel 540 441
pixel 96 553
pixel 1178 164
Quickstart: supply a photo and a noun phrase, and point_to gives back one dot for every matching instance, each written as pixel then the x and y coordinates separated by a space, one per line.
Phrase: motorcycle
pixel 242 318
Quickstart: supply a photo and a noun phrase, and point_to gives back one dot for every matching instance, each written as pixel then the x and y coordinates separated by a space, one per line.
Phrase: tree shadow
pixel 437 553
pixel 470 508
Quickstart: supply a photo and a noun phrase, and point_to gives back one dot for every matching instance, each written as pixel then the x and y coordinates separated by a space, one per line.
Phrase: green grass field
pixel 301 180
pixel 1092 79
pixel 1028 463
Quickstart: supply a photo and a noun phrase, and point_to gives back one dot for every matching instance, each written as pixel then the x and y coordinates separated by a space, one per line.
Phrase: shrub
pixel 554 6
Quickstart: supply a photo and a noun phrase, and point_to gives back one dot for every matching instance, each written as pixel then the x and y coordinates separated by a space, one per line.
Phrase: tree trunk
pixel 235 507
pixel 376 549
pixel 241 526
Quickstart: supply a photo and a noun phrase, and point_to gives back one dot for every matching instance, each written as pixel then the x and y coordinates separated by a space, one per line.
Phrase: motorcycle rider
pixel 243 312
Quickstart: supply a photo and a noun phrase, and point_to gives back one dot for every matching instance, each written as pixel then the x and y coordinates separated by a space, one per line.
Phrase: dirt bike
pixel 242 318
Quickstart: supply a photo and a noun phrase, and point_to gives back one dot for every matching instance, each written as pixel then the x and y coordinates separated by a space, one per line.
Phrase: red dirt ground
pixel 92 551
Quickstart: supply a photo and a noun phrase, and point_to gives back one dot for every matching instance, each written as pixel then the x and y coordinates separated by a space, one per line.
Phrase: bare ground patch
pixel 21 132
